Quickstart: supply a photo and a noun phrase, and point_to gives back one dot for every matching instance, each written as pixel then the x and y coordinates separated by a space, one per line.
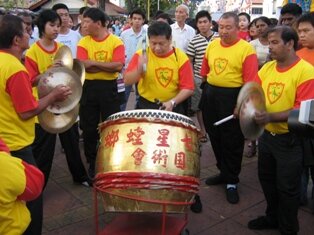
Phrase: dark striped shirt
pixel 196 50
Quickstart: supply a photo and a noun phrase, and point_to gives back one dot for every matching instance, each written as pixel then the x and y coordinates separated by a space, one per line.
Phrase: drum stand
pixel 143 223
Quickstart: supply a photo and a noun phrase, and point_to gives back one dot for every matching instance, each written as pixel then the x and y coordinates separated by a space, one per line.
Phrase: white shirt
pixel 182 37
pixel 262 51
pixel 70 39
pixel 131 40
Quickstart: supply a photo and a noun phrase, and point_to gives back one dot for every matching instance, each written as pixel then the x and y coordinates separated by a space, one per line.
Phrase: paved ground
pixel 68 208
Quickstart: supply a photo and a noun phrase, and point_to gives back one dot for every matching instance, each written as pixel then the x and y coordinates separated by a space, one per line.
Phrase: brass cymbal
pixel 245 90
pixel 65 55
pixel 250 101
pixel 79 69
pixel 58 123
pixel 56 76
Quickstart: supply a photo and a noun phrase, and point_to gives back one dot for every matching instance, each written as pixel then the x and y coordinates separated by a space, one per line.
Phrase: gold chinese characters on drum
pixel 147 158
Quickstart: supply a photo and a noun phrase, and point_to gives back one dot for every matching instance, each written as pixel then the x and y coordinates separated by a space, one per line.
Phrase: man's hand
pixel 142 64
pixel 262 117
pixel 60 93
pixel 167 106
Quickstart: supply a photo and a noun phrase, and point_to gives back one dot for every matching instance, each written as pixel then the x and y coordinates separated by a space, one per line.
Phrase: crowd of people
pixel 198 69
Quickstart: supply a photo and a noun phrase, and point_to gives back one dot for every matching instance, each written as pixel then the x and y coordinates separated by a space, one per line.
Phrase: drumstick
pixel 224 120
pixel 159 103
pixel 144 51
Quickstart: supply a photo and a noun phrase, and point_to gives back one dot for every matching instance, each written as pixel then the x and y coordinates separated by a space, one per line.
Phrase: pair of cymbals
pixel 55 123
pixel 250 100
pixel 60 76
pixel 60 116
pixel 64 55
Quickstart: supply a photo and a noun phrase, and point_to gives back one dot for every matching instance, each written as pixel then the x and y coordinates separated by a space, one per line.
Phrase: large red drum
pixel 147 158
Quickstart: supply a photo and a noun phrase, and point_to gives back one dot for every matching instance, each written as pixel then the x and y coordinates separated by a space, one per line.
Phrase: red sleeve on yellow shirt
pixel 3 147
pixel 250 68
pixel 204 68
pixel 34 182
pixel 186 76
pixel 19 88
pixel 305 91
pixel 32 68
pixel 119 54
pixel 81 53
pixel 133 63
pixel 257 79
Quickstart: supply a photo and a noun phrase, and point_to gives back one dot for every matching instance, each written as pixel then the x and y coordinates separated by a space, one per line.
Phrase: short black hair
pixel 10 27
pixel 265 19
pixel 138 12
pixel 291 8
pixel 287 34
pixel 246 15
pixel 24 14
pixel 59 6
pixel 44 17
pixel 159 28
pixel 96 14
pixel 164 16
pixel 230 14
pixel 202 14
pixel 308 17
pixel 82 9
pixel 252 23
pixel 274 21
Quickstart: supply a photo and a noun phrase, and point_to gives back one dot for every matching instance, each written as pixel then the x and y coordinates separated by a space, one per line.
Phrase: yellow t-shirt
pixel 110 49
pixel 38 61
pixel 17 133
pixel 285 89
pixel 164 76
pixel 229 66
pixel 14 215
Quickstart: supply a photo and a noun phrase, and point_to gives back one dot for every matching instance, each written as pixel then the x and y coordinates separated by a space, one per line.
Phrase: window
pixel 257 11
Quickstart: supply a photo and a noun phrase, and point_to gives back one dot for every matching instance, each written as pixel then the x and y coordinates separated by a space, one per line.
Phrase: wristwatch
pixel 173 103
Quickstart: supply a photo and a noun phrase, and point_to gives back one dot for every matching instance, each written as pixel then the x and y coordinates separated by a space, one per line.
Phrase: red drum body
pixel 147 158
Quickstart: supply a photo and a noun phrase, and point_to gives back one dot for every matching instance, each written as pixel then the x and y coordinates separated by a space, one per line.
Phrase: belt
pixel 274 134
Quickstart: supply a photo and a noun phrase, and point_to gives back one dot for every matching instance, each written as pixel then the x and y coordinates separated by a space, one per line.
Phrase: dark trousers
pixel 70 143
pixel 146 104
pixel 35 207
pixel 226 139
pixel 99 100
pixel 44 148
pixel 279 171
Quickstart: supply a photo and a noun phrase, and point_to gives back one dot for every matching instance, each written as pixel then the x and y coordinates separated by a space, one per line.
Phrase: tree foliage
pixel 143 4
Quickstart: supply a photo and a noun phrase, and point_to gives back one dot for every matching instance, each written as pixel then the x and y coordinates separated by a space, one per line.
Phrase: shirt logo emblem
pixel 101 55
pixel 220 65
pixel 274 91
pixel 164 76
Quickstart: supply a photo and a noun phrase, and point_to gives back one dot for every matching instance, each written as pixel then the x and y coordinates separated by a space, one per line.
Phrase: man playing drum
pixel 163 73
pixel 18 105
